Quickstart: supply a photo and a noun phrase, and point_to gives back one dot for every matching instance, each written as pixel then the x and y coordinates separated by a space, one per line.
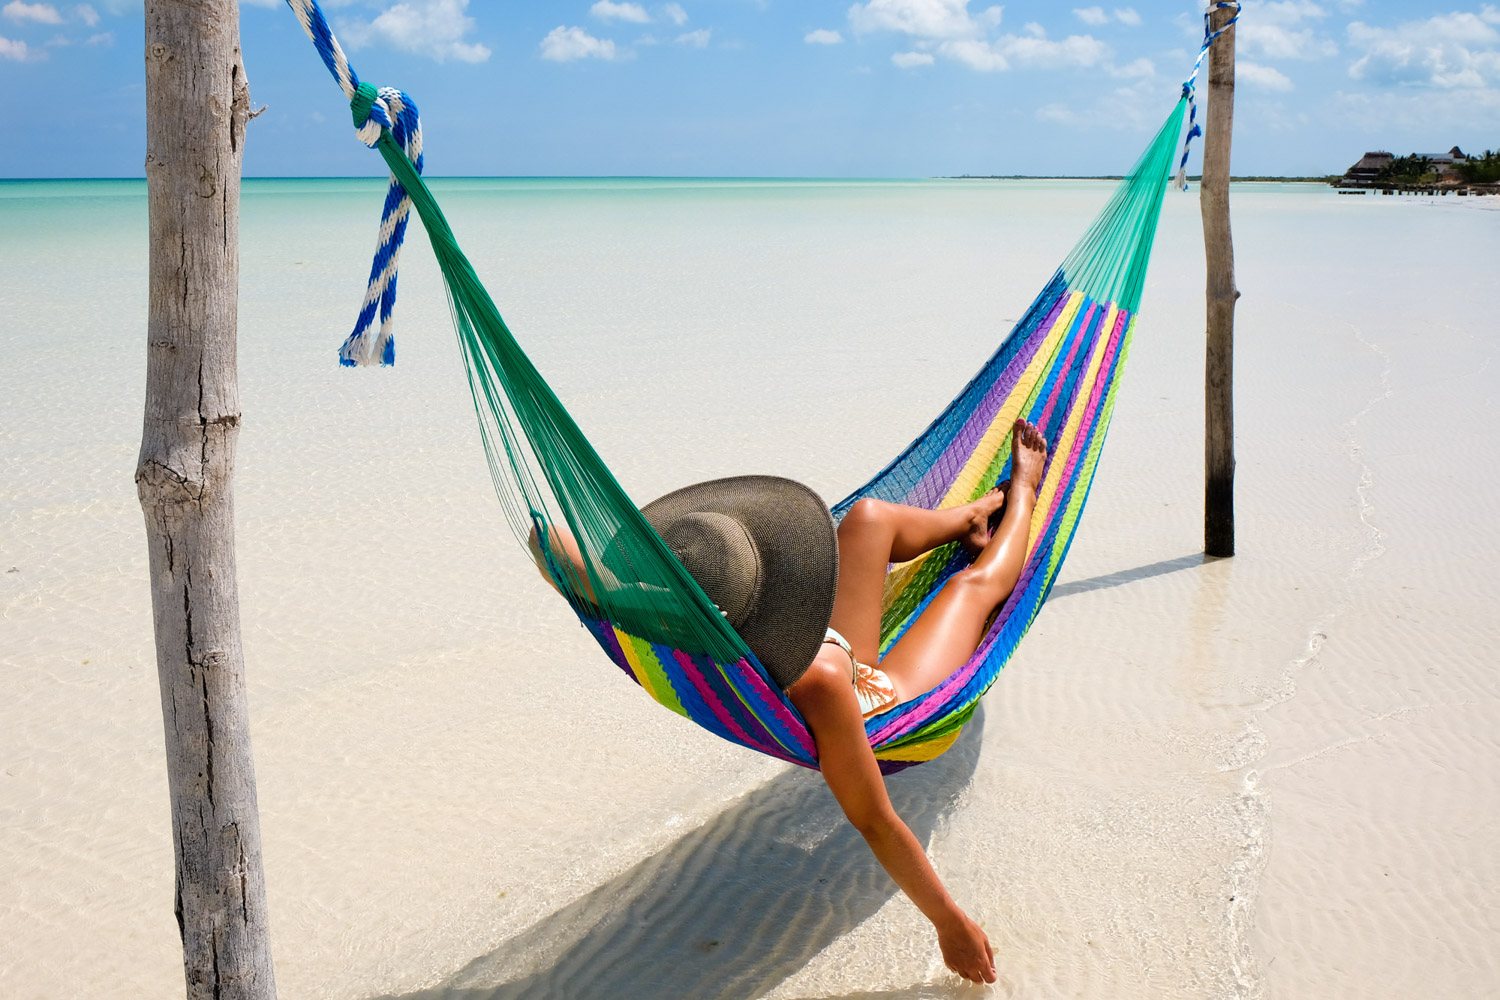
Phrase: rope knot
pixel 365 96
pixel 371 113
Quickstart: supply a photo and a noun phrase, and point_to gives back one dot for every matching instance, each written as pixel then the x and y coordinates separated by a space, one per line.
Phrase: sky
pixel 802 88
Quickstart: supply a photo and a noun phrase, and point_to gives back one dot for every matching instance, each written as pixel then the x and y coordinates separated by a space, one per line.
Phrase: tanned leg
pixel 874 534
pixel 949 629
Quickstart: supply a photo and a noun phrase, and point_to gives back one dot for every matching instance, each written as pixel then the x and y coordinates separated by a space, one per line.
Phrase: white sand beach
pixel 1271 776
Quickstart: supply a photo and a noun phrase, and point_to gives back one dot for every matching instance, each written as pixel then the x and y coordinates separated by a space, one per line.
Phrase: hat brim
pixel 797 541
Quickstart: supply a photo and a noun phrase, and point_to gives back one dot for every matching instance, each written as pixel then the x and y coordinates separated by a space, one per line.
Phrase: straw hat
pixel 763 549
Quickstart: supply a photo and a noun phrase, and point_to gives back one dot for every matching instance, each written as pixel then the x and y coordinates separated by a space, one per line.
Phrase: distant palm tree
pixel 1481 169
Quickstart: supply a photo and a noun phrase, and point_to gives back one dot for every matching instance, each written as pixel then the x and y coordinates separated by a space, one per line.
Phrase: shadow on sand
pixel 1131 575
pixel 730 910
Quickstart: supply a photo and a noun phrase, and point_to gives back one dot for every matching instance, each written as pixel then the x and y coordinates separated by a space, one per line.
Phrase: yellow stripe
pixel 927 750
pixel 1064 443
pixel 648 670
pixel 995 436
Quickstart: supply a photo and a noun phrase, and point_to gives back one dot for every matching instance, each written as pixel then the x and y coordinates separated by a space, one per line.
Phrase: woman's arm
pixel 565 554
pixel 825 697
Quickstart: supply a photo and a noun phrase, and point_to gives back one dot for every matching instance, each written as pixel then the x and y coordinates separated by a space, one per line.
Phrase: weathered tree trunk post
pixel 197 104
pixel 1218 126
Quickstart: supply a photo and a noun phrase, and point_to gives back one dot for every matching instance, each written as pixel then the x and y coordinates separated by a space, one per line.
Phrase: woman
pixel 847 680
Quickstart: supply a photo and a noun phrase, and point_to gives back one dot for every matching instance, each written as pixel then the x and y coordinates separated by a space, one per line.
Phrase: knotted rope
pixel 1190 85
pixel 376 111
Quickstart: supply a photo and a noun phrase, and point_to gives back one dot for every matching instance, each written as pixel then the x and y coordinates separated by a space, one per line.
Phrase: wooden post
pixel 1218 128
pixel 197 104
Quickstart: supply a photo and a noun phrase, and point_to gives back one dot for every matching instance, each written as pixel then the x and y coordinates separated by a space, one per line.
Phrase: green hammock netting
pixel 1058 367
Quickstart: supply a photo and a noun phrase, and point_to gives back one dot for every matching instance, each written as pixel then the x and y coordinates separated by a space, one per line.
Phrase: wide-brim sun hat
pixel 765 550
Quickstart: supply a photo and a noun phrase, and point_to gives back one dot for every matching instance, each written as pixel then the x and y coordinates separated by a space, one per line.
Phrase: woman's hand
pixel 966 950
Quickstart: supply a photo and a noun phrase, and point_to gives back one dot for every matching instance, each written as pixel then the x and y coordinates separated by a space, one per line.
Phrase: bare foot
pixel 984 515
pixel 1028 455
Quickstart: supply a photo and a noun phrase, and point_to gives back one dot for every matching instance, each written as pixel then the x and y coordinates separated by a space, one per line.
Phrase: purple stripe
pixel 938 479
pixel 604 632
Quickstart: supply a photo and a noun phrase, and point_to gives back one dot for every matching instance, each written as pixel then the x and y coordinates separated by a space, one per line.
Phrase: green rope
pixel 363 100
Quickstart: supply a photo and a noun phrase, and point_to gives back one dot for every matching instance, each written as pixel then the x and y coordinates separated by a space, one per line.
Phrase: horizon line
pixel 677 177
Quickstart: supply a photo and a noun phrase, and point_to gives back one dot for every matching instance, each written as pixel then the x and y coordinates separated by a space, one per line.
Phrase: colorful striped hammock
pixel 1059 367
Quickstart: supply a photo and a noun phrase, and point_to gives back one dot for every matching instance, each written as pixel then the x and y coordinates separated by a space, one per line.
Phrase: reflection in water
pixel 730 910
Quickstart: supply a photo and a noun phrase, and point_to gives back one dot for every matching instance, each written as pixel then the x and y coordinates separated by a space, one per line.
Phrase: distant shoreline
pixel 1259 178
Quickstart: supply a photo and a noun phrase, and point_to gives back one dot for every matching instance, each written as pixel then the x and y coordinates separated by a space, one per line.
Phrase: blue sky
pixel 879 88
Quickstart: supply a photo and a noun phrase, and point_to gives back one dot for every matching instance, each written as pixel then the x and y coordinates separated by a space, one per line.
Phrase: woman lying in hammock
pixel 777 525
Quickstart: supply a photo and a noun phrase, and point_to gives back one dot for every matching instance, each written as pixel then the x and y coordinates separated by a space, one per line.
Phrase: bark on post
pixel 1218 127
pixel 197 104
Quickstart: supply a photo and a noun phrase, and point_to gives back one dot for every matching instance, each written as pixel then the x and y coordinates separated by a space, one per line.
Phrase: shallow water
pixel 1195 779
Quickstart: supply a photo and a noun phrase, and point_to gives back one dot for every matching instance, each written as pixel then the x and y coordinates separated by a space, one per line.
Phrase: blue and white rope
pixel 375 112
pixel 1190 85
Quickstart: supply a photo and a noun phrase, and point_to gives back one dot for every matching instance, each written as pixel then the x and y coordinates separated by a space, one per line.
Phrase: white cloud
pixel 1265 77
pixel 946 28
pixel 673 12
pixel 1035 49
pixel 1283 29
pixel 567 44
pixel 822 36
pixel 607 10
pixel 1138 69
pixel 1459 51
pixel 695 39
pixel 14 50
pixel 1096 17
pixel 434 28
pixel 88 15
pixel 923 18
pixel 41 13
pixel 975 54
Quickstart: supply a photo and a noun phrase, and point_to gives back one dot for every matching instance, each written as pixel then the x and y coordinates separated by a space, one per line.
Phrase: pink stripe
pixel 711 698
pixel 1057 385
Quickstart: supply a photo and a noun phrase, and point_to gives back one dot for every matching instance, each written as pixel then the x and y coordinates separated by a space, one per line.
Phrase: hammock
pixel 1059 367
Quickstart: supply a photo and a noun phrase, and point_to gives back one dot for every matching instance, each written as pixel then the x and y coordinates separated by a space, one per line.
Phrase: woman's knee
pixel 984 583
pixel 864 514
